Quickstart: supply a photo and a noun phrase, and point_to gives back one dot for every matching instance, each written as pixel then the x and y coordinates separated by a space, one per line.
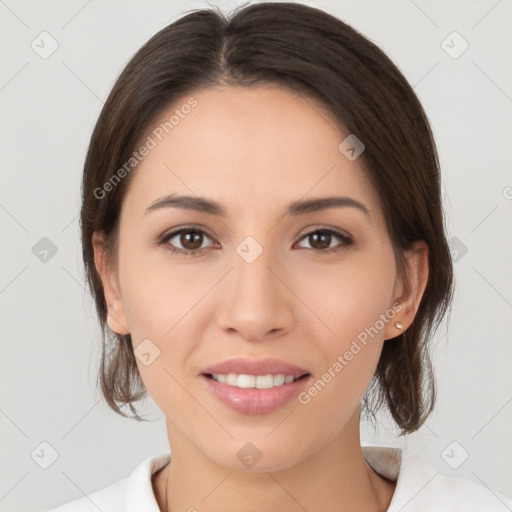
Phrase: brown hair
pixel 308 51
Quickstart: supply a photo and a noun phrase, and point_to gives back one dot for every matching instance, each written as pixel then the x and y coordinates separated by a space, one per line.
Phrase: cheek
pixel 158 294
pixel 159 301
pixel 350 297
pixel 353 305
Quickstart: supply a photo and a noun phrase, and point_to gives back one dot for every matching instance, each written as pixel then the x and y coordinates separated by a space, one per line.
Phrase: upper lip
pixel 255 367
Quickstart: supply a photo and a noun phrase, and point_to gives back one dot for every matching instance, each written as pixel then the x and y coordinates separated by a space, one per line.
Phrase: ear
pixel 116 319
pixel 408 292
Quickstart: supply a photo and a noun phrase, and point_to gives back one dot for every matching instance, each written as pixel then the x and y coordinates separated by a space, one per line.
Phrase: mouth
pixel 254 387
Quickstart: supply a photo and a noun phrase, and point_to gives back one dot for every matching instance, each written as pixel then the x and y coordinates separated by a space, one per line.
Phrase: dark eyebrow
pixel 300 207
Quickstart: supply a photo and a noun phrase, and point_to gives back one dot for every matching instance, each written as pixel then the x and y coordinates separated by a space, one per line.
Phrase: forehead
pixel 250 147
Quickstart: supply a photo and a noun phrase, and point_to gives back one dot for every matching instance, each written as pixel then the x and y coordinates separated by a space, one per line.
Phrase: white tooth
pixel 278 379
pixel 232 379
pixel 252 381
pixel 264 381
pixel 246 381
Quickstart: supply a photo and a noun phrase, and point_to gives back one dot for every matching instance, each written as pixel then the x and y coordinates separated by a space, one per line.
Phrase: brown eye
pixel 190 241
pixel 185 241
pixel 321 239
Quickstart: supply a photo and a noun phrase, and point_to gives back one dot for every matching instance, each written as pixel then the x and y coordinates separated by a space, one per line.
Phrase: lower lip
pixel 254 401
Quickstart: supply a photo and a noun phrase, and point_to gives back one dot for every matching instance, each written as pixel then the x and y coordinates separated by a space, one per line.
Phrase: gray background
pixel 50 342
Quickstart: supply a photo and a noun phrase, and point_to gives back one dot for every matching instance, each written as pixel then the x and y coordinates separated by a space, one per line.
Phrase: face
pixel 254 292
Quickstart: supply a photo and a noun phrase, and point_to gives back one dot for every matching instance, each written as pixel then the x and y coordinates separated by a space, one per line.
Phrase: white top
pixel 419 488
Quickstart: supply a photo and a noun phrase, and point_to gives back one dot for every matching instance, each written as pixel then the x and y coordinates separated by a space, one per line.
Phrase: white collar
pixel 419 487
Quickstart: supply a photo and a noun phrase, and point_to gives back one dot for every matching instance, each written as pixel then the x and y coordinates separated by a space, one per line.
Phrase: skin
pixel 255 150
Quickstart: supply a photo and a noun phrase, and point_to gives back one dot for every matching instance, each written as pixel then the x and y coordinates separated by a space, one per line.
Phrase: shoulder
pixel 111 497
pixel 456 492
pixel 129 494
pixel 421 488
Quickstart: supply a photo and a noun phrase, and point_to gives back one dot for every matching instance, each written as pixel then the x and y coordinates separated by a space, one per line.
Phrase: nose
pixel 256 304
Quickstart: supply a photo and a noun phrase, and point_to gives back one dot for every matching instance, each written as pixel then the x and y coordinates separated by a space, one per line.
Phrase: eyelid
pixel 323 227
pixel 188 227
pixel 307 231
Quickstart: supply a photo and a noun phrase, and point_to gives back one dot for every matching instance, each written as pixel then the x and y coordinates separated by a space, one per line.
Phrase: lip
pixel 253 401
pixel 255 367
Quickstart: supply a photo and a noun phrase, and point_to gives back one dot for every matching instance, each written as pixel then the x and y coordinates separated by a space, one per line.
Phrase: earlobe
pixel 409 293
pixel 116 318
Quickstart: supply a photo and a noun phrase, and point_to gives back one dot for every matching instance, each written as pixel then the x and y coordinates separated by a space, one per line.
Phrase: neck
pixel 334 478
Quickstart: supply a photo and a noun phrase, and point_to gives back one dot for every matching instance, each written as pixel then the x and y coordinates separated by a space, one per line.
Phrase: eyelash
pixel 346 240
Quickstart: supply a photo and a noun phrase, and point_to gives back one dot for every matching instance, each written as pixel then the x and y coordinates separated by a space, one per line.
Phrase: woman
pixel 263 236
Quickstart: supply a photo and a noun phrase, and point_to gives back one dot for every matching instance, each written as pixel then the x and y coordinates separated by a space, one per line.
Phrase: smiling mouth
pixel 246 381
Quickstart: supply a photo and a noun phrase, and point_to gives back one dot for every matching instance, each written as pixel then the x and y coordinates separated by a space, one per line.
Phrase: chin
pixel 255 454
